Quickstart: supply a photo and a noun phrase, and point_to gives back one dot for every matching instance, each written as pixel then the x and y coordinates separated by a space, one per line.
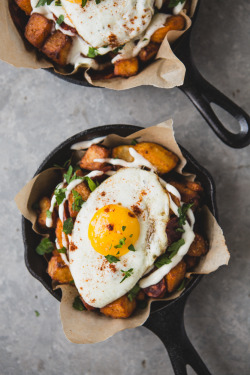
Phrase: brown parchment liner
pixel 166 71
pixel 84 327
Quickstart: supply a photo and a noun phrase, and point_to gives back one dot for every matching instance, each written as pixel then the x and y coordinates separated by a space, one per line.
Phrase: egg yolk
pixel 114 230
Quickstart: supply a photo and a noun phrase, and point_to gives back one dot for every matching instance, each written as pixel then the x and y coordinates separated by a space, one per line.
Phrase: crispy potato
pixel 126 68
pixel 156 291
pixel 187 195
pixel 57 47
pixel 58 270
pixel 60 235
pixel 122 152
pixel 175 276
pixel 158 156
pixel 140 296
pixel 44 205
pixel 198 247
pixel 191 262
pixel 121 308
pixel 38 29
pixel 195 186
pixel 94 152
pixel 88 307
pixel 172 234
pixel 81 189
pixel 25 5
pixel 148 52
pixel 172 23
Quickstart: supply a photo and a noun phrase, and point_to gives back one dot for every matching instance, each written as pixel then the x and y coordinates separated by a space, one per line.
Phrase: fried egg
pixel 110 22
pixel 125 217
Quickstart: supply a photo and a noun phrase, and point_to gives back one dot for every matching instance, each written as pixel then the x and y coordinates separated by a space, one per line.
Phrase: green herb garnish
pixel 134 142
pixel 121 243
pixel 131 247
pixel 68 175
pixel 112 259
pixel 181 285
pixel 78 201
pixel 162 260
pixel 68 226
pixel 117 49
pixel 92 185
pixel 133 292
pixel 37 313
pixel 78 305
pixel 45 247
pixel 173 250
pixel 84 2
pixel 63 250
pixel 183 213
pixel 93 52
pixel 174 3
pixel 123 228
pixel 58 3
pixel 43 2
pixel 60 19
pixel 181 230
pixel 48 214
pixel 60 195
pixel 131 235
pixel 127 274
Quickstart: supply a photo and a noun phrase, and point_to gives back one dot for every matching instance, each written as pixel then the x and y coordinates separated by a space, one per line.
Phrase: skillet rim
pixel 92 133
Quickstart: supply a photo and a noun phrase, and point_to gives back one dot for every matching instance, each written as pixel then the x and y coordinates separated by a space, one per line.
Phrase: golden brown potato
pixel 57 47
pixel 156 291
pixel 44 206
pixel 25 5
pixel 122 152
pixel 60 235
pixel 148 52
pixel 58 270
pixel 195 186
pixel 126 68
pixel 158 156
pixel 94 152
pixel 175 276
pixel 121 308
pixel 88 307
pixel 84 192
pixel 187 195
pixel 38 29
pixel 140 296
pixel 198 247
pixel 191 262
pixel 172 23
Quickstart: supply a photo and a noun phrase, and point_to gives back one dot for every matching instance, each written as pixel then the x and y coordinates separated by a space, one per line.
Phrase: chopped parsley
pixel 78 305
pixel 183 213
pixel 60 19
pixel 92 185
pixel 58 3
pixel 134 142
pixel 37 313
pixel 144 40
pixel 60 195
pixel 78 201
pixel 133 292
pixel 123 228
pixel 84 2
pixel 68 226
pixel 43 2
pixel 121 243
pixel 72 282
pixel 131 247
pixel 174 3
pixel 68 175
pixel 182 285
pixel 48 214
pixel 93 52
pixel 45 247
pixel 181 230
pixel 127 274
pixel 117 49
pixel 63 250
pixel 167 258
pixel 131 235
pixel 112 259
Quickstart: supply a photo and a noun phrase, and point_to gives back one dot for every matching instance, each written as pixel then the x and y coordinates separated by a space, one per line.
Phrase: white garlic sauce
pixel 178 8
pixel 63 256
pixel 86 144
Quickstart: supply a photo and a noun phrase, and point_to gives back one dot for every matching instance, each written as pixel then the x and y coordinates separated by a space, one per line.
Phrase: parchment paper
pixel 166 71
pixel 90 327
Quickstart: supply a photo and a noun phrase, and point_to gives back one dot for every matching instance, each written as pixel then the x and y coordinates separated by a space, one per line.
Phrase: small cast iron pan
pixel 166 318
pixel 201 93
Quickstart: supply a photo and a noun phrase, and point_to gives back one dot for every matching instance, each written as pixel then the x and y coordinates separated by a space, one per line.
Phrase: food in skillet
pixel 113 38
pixel 122 227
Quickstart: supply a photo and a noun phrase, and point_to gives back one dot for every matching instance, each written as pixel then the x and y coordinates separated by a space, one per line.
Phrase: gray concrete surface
pixel 37 112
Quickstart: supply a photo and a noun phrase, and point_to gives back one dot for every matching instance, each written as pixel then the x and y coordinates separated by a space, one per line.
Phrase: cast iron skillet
pixel 166 318
pixel 200 92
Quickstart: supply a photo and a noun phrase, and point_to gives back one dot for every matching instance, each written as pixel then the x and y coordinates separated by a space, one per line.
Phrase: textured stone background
pixel 38 112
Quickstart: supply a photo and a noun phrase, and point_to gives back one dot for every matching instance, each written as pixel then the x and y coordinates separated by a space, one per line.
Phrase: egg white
pixel 94 277
pixel 110 21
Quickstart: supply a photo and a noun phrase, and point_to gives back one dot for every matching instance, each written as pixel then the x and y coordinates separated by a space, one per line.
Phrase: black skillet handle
pixel 168 325
pixel 202 94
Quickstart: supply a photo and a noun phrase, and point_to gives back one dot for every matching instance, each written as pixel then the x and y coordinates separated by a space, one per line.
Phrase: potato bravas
pixel 113 38
pixel 121 226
